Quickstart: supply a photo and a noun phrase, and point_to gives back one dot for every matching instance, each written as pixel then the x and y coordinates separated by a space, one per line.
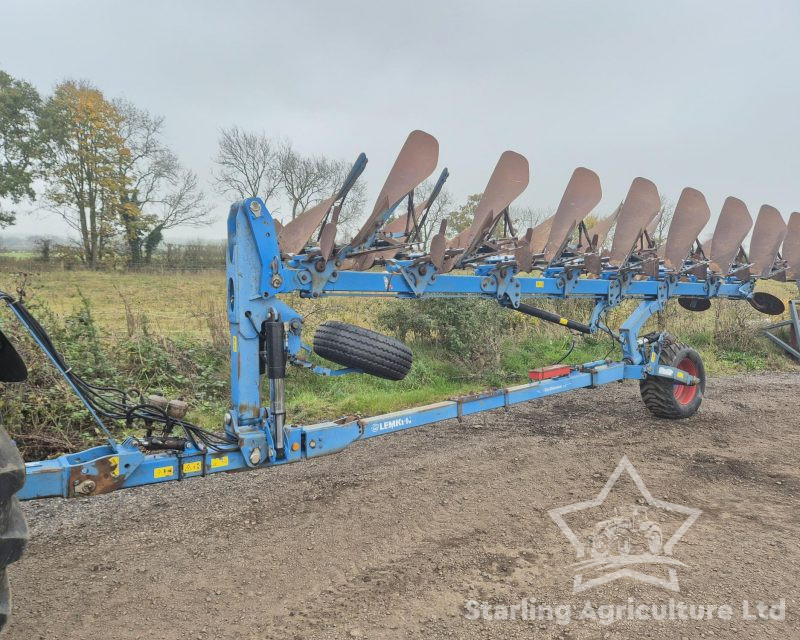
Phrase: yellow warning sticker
pixel 221 461
pixel 563 321
pixel 113 462
pixel 193 467
pixel 680 375
pixel 163 472
pixel 540 284
pixel 653 357
pixel 235 344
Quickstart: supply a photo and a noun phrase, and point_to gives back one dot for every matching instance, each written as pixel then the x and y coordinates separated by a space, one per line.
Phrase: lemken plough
pixel 614 259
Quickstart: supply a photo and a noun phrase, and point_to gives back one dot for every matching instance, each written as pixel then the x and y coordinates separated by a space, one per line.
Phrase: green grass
pixel 169 332
pixel 19 255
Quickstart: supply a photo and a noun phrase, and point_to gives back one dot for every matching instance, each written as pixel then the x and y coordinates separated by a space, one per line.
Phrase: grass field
pixel 170 330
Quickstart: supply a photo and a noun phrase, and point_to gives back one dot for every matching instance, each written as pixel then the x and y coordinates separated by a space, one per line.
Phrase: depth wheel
pixel 665 398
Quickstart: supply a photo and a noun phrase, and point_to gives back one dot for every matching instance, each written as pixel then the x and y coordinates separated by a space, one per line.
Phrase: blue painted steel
pixel 257 275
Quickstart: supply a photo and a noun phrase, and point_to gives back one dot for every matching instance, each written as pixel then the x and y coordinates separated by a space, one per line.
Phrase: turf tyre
pixel 359 348
pixel 667 399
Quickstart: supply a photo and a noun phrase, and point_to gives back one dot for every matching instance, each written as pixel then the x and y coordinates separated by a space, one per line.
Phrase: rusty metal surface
pixel 582 194
pixel 768 234
pixel 651 228
pixel 691 216
pixel 639 209
pixel 541 232
pixel 603 226
pixel 732 228
pixel 327 240
pixel 99 476
pixel 508 180
pixel 791 246
pixel 296 234
pixel 438 246
pixel 415 162
pixel 398 225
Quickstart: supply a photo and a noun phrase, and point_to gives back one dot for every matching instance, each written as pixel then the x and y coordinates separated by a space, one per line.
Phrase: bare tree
pixel 247 164
pixel 525 217
pixel 306 179
pixel 352 214
pixel 159 194
pixel 665 214
pixel 438 210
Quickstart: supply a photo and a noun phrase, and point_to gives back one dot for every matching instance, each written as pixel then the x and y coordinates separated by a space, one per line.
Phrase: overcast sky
pixel 686 93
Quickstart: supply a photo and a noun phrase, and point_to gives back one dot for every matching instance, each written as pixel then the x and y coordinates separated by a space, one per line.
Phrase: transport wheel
pixel 13 529
pixel 667 399
pixel 360 348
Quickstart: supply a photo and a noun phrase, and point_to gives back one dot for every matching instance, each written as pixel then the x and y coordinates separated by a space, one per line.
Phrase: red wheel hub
pixel 684 394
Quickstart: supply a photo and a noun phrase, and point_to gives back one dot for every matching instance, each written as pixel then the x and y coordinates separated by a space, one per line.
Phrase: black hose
pixel 109 407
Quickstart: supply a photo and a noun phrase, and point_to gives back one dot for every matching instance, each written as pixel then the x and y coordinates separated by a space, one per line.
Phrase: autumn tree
pixel 461 218
pixel 19 141
pixel 157 193
pixel 83 150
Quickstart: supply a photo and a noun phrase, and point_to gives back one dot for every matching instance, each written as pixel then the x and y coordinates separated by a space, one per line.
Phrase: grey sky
pixel 685 93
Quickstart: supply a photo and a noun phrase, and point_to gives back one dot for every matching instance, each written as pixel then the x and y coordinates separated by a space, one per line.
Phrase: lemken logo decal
pixel 388 425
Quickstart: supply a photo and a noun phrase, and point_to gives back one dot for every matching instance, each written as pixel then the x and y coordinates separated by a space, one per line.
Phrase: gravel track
pixel 390 538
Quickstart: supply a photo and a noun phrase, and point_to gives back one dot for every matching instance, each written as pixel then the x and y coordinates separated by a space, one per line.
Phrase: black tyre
pixel 13 529
pixel 359 348
pixel 667 399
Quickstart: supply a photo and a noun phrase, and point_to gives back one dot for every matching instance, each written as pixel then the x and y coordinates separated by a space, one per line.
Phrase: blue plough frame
pixel 257 274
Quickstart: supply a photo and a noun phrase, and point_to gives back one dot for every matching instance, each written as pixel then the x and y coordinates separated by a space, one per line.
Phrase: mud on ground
pixel 391 538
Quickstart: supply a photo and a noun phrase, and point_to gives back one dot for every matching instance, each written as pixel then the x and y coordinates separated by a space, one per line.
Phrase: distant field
pixel 181 303
pixel 173 303
pixel 18 255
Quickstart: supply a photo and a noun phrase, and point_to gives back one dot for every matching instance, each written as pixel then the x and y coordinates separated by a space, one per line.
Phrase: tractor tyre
pixel 360 348
pixel 665 398
pixel 13 529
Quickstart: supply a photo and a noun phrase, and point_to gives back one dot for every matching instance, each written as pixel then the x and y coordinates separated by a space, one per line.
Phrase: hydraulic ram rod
pixel 548 316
